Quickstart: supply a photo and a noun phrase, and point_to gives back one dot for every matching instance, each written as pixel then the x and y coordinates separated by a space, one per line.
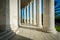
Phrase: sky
pixel 56 8
pixel 28 14
pixel 58 3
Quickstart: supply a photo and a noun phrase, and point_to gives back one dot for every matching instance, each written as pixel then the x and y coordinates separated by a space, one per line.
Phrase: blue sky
pixel 22 12
pixel 58 3
pixel 56 7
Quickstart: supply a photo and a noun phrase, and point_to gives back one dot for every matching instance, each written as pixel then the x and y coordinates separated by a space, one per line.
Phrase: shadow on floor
pixel 19 37
pixel 14 37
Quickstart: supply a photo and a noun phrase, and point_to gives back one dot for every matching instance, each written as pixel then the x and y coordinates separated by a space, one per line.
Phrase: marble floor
pixel 34 33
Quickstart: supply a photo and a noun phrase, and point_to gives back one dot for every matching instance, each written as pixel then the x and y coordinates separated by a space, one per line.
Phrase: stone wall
pixel 2 14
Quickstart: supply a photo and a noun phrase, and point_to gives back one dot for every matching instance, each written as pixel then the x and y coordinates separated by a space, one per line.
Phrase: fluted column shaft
pixel 48 17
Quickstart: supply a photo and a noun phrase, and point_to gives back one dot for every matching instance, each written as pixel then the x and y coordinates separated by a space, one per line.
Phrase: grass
pixel 57 28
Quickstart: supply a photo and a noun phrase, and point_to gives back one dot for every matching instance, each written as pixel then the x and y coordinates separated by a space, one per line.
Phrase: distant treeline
pixel 57 20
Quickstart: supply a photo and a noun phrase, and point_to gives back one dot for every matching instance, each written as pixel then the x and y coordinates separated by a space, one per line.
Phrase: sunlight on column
pixel 34 7
pixel 30 12
pixel 27 14
pixel 40 14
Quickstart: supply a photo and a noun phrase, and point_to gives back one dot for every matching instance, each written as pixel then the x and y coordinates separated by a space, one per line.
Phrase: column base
pixel 40 26
pixel 49 30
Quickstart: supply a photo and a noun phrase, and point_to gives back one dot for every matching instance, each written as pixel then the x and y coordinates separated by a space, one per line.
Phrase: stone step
pixel 4 32
pixel 7 35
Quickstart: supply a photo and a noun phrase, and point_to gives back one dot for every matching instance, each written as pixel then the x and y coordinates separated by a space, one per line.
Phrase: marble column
pixel 30 12
pixel 25 15
pixel 39 13
pixel 20 16
pixel 13 10
pixel 34 11
pixel 48 17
